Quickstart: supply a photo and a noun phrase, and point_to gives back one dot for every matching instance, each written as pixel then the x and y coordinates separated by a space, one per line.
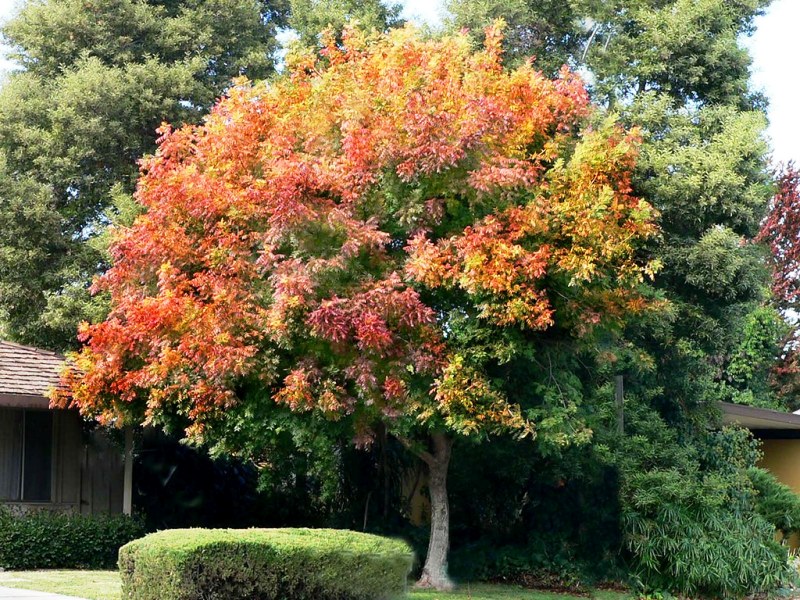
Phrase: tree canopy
pixel 309 18
pixel 339 238
pixel 96 80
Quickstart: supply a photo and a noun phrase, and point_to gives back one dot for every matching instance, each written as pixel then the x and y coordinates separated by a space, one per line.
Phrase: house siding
pixel 87 469
pixel 782 459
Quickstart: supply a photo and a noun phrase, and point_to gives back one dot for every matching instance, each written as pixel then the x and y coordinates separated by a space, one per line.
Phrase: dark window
pixel 36 483
pixel 26 455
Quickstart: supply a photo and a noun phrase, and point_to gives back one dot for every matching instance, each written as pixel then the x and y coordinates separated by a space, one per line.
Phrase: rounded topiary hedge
pixel 264 564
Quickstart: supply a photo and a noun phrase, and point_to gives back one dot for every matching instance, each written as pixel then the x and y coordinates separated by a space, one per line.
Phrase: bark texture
pixel 434 573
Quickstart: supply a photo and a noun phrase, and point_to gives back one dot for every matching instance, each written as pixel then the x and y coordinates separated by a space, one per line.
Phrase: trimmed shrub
pixel 267 564
pixel 49 540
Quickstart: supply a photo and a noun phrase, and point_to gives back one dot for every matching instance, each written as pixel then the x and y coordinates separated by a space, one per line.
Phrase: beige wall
pixel 782 459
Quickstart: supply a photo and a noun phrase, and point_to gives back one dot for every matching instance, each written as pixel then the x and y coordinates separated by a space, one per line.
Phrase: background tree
pixel 385 235
pixel 96 80
pixel 676 70
pixel 687 49
pixel 309 18
pixel 780 230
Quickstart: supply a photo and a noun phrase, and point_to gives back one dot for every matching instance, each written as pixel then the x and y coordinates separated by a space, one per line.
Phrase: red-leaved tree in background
pixel 781 231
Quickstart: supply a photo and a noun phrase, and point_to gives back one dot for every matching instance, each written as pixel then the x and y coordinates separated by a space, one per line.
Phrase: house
pixel 52 459
pixel 779 433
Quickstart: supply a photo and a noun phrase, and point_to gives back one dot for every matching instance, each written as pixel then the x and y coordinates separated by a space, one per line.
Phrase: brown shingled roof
pixel 27 374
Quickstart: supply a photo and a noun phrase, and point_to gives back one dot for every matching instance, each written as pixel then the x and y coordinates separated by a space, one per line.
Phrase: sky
pixel 774 46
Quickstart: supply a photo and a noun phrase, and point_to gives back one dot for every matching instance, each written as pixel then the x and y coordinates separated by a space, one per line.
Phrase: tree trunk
pixel 434 573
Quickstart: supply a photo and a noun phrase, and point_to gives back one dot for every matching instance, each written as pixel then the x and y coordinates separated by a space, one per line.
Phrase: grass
pixel 94 585
pixel 502 592
pixel 104 585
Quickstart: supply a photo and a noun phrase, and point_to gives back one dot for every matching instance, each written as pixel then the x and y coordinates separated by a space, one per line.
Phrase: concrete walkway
pixel 19 594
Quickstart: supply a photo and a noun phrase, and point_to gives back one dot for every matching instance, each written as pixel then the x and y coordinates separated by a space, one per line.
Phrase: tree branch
pixel 423 455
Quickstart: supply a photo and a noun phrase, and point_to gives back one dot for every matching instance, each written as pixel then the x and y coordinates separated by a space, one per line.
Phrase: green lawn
pixel 104 585
pixel 95 585
pixel 501 592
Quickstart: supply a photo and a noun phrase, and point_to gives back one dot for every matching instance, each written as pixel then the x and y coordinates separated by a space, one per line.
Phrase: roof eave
pixel 752 417
pixel 24 401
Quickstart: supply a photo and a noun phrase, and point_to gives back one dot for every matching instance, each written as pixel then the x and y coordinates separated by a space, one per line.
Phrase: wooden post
pixel 619 396
pixel 127 489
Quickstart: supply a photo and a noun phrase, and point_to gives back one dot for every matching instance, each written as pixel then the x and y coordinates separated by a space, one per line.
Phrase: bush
pixel 268 564
pixel 776 502
pixel 686 536
pixel 690 518
pixel 48 540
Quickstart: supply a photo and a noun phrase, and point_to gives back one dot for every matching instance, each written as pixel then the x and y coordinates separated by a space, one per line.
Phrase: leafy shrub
pixel 690 518
pixel 776 502
pixel 48 540
pixel 269 564
pixel 685 536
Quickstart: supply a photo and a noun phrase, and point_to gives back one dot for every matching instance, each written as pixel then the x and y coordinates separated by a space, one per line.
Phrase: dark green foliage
pixel 776 502
pixel 310 17
pixel 684 537
pixel 545 526
pixel 269 564
pixel 181 486
pixel 48 540
pixel 663 507
pixel 98 79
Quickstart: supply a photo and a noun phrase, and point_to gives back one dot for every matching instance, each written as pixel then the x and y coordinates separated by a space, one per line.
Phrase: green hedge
pixel 267 564
pixel 48 540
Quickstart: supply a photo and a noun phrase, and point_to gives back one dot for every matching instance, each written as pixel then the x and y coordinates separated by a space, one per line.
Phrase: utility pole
pixel 619 396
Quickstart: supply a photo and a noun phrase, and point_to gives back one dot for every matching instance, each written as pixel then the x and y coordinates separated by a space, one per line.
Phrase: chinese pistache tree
pixel 371 236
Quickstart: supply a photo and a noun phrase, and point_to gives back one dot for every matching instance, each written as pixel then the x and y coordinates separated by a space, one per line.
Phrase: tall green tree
pixel 96 80
pixel 676 69
pixel 687 49
pixel 310 17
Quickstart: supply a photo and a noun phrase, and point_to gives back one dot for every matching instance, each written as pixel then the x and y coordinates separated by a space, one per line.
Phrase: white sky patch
pixel 7 8
pixel 424 11
pixel 775 47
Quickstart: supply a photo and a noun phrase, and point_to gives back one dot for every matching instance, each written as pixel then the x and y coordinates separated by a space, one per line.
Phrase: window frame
pixel 51 486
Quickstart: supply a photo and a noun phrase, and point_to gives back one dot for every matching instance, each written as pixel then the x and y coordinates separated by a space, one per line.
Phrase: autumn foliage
pixel 317 233
pixel 781 232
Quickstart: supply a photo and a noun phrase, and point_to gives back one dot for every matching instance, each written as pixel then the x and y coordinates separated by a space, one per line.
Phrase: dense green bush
pixel 776 502
pixel 685 536
pixel 268 564
pixel 48 540
pixel 690 517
